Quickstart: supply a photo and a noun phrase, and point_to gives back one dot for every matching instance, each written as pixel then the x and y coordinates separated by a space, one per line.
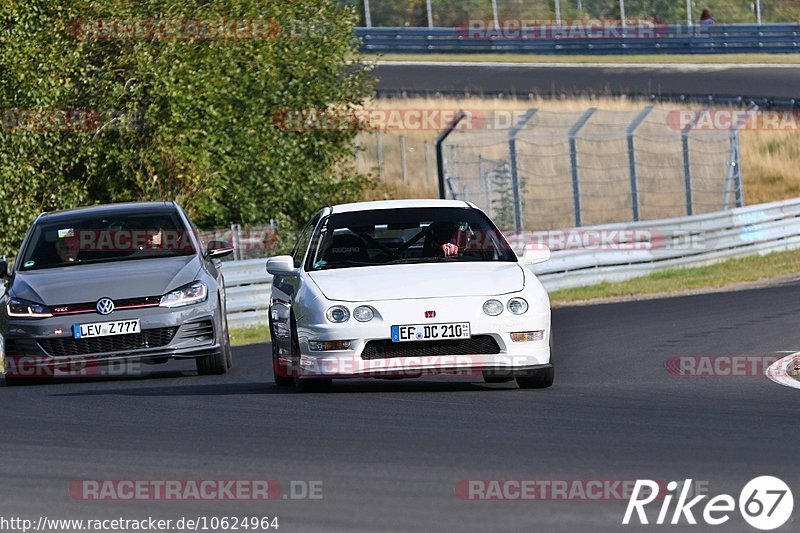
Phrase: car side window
pixel 301 246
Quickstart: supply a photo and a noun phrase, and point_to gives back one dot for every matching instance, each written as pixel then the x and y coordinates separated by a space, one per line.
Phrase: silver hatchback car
pixel 113 284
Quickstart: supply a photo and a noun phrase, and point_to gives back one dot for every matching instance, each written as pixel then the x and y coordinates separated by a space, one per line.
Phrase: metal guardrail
pixel 668 39
pixel 638 249
pixel 676 242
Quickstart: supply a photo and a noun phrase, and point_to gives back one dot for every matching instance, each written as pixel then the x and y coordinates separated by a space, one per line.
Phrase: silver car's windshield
pixel 115 237
pixel 410 235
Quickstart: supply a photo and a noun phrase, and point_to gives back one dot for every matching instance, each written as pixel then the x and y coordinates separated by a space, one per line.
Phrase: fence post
pixel 367 14
pixel 516 188
pixel 440 170
pixel 237 253
pixel 629 132
pixel 430 13
pixel 573 160
pixel 451 180
pixel 687 162
pixel 403 166
pixel 427 148
pixel 734 177
pixel 687 170
pixel 739 181
pixel 487 191
pixel 379 148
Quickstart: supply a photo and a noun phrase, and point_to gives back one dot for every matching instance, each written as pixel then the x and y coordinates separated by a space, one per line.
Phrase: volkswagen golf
pixel 113 284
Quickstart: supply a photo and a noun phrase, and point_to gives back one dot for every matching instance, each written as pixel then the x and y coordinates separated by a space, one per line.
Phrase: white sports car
pixel 404 288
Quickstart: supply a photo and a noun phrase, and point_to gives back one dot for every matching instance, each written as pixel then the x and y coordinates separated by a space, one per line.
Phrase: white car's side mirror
pixel 538 254
pixel 281 265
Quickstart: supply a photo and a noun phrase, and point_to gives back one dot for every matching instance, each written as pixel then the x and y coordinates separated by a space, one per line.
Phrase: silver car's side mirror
pixel 281 265
pixel 217 249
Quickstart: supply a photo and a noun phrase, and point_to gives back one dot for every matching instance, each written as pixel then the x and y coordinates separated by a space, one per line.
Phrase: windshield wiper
pixel 341 264
pixel 418 260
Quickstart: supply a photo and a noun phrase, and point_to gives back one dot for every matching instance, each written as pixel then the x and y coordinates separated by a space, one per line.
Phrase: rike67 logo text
pixel 765 503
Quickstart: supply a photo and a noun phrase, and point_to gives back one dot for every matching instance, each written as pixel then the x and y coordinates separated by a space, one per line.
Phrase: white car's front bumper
pixel 505 355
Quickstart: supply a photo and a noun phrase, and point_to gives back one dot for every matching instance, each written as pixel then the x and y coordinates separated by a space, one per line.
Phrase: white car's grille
pixel 385 349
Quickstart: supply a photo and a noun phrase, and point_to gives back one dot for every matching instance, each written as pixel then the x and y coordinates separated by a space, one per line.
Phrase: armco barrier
pixel 651 245
pixel 669 39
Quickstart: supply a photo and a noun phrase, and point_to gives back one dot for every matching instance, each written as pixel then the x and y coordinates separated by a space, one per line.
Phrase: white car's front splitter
pixel 348 364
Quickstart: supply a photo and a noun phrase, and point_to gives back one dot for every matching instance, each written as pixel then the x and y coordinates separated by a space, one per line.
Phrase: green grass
pixel 251 335
pixel 733 59
pixel 733 271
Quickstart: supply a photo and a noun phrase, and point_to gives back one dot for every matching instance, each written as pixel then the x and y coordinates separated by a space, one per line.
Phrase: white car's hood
pixel 430 280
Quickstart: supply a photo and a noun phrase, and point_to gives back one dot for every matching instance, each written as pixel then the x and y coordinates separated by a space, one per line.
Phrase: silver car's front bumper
pixel 188 332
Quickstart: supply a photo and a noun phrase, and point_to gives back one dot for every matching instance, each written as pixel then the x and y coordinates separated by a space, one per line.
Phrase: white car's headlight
pixel 192 293
pixel 338 314
pixel 363 313
pixel 17 308
pixel 492 307
pixel 517 306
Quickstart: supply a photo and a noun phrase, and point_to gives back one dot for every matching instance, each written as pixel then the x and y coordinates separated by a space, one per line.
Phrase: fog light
pixel 327 346
pixel 528 336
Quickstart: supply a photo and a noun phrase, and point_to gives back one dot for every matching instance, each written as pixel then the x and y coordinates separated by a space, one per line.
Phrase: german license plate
pixel 430 332
pixel 105 329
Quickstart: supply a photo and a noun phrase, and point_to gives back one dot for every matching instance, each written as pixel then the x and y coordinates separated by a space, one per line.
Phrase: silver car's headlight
pixel 492 307
pixel 338 314
pixel 363 313
pixel 193 293
pixel 517 306
pixel 17 308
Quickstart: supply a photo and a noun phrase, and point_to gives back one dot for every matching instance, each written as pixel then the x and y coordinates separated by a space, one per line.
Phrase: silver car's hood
pixel 115 280
pixel 395 282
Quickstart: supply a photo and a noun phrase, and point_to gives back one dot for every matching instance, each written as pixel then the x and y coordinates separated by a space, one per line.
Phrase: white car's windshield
pixel 410 235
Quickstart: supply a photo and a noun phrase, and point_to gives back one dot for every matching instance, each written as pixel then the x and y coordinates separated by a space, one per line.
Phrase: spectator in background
pixel 706 18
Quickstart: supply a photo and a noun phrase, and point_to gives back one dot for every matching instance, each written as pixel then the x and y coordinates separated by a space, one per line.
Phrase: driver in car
pixel 443 239
pixel 67 249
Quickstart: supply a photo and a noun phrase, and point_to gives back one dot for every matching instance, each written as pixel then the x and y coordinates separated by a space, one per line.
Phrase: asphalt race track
pixel 389 453
pixel 770 82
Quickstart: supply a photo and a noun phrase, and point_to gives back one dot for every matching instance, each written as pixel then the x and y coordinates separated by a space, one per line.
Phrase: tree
pixel 91 117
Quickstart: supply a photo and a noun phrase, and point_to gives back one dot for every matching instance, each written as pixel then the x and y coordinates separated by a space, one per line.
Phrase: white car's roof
pixel 397 204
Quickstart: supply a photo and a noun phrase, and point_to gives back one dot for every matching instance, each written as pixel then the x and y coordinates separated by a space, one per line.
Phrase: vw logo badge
pixel 105 306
